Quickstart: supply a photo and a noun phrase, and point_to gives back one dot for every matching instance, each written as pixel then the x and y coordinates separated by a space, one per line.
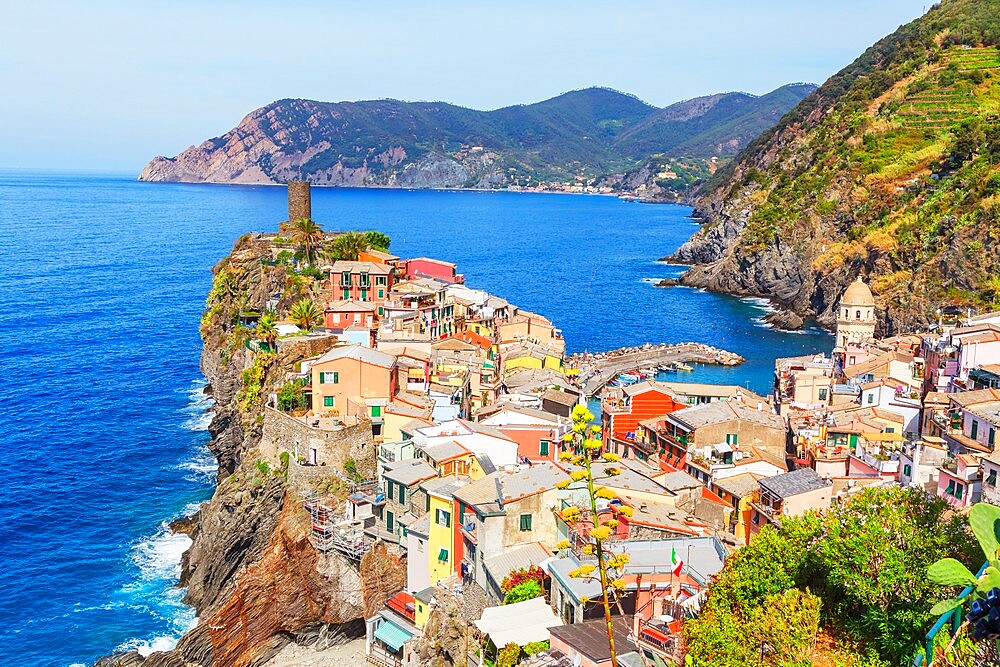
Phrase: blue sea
pixel 102 409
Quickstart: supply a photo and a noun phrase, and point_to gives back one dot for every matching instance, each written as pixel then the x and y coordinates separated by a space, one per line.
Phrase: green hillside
pixel 581 134
pixel 890 169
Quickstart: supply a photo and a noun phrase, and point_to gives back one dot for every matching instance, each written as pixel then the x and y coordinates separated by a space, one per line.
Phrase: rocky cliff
pixel 251 573
pixel 388 143
pixel 887 170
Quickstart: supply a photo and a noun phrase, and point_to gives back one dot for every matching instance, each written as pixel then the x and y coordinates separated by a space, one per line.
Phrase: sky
pixel 105 86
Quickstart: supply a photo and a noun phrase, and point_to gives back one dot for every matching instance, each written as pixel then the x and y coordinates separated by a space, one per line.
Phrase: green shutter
pixel 443 555
pixel 322 377
pixel 958 491
pixel 376 411
pixel 390 522
pixel 336 377
pixel 543 448
pixel 402 494
pixel 975 429
pixel 329 402
pixel 389 490
pixel 525 522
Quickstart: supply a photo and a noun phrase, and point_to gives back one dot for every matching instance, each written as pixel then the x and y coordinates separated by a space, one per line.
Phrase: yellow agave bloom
pixel 601 533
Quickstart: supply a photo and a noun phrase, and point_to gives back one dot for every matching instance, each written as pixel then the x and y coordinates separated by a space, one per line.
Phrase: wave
pixel 158 560
pixel 758 302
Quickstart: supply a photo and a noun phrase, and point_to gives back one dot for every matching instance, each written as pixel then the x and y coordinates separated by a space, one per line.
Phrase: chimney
pixel 299 200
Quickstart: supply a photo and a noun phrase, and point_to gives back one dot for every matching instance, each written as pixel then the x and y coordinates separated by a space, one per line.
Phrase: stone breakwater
pixel 597 369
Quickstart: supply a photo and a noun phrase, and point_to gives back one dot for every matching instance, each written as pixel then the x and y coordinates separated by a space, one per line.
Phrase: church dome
pixel 857 294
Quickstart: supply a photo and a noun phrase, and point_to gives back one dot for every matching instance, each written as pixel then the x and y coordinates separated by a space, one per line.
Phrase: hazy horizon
pixel 106 86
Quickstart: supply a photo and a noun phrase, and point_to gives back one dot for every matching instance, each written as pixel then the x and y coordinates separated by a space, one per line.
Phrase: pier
pixel 598 369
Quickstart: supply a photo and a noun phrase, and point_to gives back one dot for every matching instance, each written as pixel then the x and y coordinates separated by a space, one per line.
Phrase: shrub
pixel 526 590
pixel 508 655
pixel 532 573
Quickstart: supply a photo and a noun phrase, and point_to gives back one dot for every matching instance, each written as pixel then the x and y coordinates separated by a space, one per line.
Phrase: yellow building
pixel 441 556
pixel 531 357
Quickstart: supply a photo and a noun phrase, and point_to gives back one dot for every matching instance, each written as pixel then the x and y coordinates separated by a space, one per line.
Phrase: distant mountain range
pixel 585 134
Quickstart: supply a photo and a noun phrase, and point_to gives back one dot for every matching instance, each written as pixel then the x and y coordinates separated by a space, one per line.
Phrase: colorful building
pixel 353 380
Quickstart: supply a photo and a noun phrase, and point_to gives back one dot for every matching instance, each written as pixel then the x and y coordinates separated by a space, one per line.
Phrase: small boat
pixel 681 366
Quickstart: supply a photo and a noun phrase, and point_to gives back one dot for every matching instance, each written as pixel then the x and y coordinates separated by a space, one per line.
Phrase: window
pixel 381 311
pixel 364 295
pixel 402 494
pixel 347 294
pixel 381 294
pixel 443 556
pixel 975 429
pixel 329 402
pixel 442 518
pixel 891 429
pixel 991 479
pixel 543 448
pixel 525 522
pixel 376 411
pixel 329 378
pixel 732 438
pixel 345 279
pixel 364 280
pixel 907 470
pixel 871 398
pixel 380 280
pixel 991 440
pixel 857 315
pixel 390 522
pixel 951 487
pixel 390 491
pixel 822 394
pixel 958 491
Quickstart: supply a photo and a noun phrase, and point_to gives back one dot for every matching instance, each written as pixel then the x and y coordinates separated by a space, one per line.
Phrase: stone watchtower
pixel 299 201
pixel 856 315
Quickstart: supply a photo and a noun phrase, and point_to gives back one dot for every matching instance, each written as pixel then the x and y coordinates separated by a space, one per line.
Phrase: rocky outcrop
pixel 864 177
pixel 254 578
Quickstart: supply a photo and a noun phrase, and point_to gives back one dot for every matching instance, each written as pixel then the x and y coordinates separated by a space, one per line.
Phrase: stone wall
pixel 283 433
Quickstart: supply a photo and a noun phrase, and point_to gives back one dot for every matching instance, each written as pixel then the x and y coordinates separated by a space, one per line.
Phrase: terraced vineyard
pixel 955 93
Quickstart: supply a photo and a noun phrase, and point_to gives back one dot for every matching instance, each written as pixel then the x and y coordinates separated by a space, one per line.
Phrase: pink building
pixel 425 267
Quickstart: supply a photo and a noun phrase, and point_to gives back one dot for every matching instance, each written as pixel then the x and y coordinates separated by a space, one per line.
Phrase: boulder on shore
pixel 668 282
pixel 785 319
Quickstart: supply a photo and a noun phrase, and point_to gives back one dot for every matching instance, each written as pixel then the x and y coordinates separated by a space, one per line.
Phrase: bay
pixel 103 281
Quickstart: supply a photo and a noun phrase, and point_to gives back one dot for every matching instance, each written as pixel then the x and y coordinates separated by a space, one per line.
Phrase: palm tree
pixel 306 314
pixel 348 246
pixel 266 331
pixel 307 234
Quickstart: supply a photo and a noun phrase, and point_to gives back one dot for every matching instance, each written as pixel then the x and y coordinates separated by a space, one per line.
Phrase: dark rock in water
pixel 785 319
pixel 125 659
pixel 668 282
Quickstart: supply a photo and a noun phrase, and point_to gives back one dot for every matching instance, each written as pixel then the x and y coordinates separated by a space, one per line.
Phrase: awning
pixel 520 623
pixel 392 635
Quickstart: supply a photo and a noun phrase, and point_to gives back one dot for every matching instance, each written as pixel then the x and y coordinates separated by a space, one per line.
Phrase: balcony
pixel 469 530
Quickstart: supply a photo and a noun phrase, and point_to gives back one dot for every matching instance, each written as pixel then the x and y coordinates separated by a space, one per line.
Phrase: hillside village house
pixel 959 481
pixel 442 558
pixel 791 494
pixel 367 282
pixel 425 267
pixel 343 314
pixel 353 380
pixel 425 301
pixel 405 501
pixel 502 510
pixel 990 469
pixel 527 327
pixel 711 436
pixel 538 434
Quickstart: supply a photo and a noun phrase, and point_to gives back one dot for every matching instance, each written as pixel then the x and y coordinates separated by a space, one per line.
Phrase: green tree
pixel 865 560
pixel 291 396
pixel 266 330
pixel 308 235
pixel 780 632
pixel 526 590
pixel 509 655
pixel 377 240
pixel 306 314
pixel 347 246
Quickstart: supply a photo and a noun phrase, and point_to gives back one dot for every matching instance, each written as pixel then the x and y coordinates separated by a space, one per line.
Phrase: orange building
pixel 354 380
pixel 624 408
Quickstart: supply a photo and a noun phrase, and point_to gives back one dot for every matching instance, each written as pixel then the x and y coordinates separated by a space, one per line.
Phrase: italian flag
pixel 675 561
